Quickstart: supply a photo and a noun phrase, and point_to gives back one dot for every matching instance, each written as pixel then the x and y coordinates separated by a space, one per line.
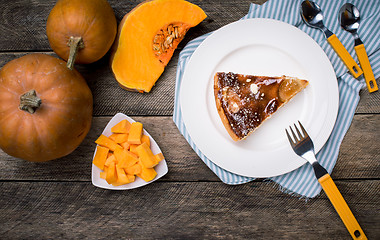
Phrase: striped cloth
pixel 302 181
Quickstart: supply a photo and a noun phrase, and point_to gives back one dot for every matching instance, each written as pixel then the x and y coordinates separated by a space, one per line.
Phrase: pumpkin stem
pixel 29 101
pixel 75 44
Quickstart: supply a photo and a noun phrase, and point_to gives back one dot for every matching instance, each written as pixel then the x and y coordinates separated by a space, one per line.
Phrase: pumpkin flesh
pixel 136 62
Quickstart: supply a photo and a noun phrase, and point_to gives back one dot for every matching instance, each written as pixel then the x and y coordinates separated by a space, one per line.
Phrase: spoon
pixel 349 20
pixel 312 15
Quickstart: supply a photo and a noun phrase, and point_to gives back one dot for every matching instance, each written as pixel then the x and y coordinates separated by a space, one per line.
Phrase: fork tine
pixel 294 135
pixel 298 132
pixel 303 130
pixel 290 139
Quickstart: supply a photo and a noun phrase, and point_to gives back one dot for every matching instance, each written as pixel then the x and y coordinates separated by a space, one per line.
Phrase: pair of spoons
pixel 349 19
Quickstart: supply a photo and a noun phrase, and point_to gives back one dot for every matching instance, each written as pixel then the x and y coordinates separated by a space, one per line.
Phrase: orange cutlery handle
pixel 366 66
pixel 341 207
pixel 345 56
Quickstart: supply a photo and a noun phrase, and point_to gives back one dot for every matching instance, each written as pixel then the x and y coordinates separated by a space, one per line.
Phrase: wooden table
pixel 56 200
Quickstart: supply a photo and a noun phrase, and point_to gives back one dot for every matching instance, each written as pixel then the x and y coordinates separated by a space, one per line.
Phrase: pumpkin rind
pixel 61 122
pixel 133 61
pixel 93 20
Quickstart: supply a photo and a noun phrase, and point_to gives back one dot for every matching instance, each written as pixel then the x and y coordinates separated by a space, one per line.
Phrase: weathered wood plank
pixel 110 99
pixel 193 210
pixel 369 102
pixel 358 159
pixel 23 22
pixel 360 149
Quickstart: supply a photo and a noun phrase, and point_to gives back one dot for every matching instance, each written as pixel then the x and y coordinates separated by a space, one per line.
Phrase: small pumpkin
pixel 81 31
pixel 45 108
pixel 147 37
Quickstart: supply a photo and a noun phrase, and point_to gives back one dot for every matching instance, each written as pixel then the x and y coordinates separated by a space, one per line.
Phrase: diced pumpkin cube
pixel 146 156
pixel 135 133
pixel 103 175
pixel 120 154
pixel 159 157
pixel 132 148
pixel 134 169
pixel 106 142
pixel 131 178
pixel 112 137
pixel 122 127
pixel 100 156
pixel 111 175
pixel 133 154
pixel 118 184
pixel 119 137
pixel 125 158
pixel 109 160
pixel 125 145
pixel 147 174
pixel 121 177
pixel 145 138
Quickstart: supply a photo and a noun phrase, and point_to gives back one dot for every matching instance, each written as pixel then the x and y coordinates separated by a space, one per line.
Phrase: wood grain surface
pixel 56 200
pixel 179 210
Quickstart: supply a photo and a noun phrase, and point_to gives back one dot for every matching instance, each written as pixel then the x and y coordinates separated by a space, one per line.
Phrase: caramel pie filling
pixel 248 100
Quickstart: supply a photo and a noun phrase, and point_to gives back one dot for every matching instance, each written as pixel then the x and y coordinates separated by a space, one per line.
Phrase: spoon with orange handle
pixel 342 52
pixel 349 20
pixel 312 15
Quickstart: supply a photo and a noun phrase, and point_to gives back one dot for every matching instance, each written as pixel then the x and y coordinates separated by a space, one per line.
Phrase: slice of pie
pixel 244 102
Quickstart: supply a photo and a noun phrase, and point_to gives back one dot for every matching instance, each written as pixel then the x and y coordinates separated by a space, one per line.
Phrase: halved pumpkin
pixel 147 37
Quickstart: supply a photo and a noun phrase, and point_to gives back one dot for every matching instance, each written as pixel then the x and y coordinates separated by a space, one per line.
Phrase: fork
pixel 303 146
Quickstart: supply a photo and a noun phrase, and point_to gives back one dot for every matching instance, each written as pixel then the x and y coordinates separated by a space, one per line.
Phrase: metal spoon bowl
pixel 349 18
pixel 312 15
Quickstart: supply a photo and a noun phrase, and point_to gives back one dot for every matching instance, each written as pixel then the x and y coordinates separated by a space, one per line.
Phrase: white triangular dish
pixel 161 168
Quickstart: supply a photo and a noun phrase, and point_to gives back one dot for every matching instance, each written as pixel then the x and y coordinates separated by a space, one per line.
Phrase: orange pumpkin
pixel 147 37
pixel 81 31
pixel 45 108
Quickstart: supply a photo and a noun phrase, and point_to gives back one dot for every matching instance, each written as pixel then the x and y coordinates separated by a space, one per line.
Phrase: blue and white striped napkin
pixel 302 180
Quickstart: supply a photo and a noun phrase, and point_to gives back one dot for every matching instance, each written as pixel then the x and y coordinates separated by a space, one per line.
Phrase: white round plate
pixel 259 47
pixel 161 167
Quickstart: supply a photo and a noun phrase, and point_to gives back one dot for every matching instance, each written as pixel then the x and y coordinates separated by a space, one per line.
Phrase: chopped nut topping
pixel 254 88
pixel 234 107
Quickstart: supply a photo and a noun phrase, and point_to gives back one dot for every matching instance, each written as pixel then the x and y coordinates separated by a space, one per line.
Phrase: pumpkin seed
pixel 169 39
pixel 176 32
pixel 156 47
pixel 156 38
